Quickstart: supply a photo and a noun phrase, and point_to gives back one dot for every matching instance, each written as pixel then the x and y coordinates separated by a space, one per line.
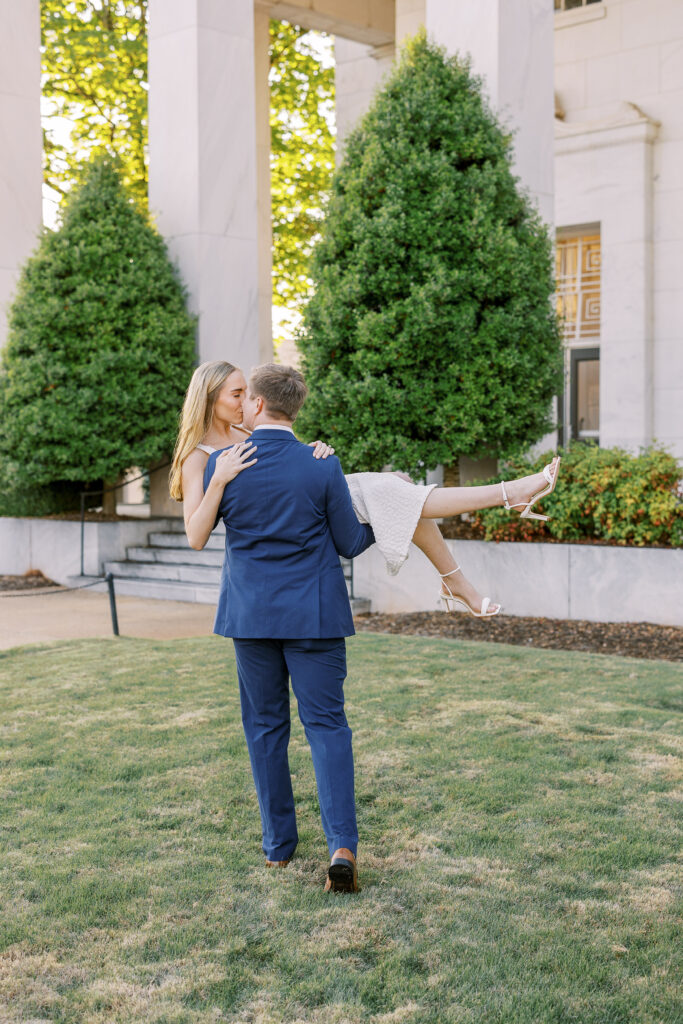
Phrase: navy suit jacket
pixel 287 520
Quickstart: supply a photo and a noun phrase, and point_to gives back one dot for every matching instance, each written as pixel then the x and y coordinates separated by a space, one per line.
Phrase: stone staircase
pixel 167 568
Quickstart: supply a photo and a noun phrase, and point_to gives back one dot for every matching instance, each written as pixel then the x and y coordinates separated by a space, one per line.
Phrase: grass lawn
pixel 518 849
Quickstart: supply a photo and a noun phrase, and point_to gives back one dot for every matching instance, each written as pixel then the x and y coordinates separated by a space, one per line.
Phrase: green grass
pixel 518 841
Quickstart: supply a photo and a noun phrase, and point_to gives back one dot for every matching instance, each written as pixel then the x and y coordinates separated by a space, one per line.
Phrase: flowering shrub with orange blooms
pixel 603 494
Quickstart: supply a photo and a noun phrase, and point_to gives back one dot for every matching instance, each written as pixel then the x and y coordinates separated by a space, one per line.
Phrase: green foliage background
pixel 603 494
pixel 431 333
pixel 95 75
pixel 94 62
pixel 99 354
pixel 301 156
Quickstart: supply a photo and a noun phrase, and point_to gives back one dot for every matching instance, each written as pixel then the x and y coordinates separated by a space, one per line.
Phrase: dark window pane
pixel 568 5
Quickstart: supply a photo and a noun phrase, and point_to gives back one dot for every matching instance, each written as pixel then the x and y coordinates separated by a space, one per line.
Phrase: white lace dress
pixel 392 506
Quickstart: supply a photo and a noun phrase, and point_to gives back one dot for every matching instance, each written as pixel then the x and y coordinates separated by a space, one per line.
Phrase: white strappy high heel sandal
pixel 551 477
pixel 450 600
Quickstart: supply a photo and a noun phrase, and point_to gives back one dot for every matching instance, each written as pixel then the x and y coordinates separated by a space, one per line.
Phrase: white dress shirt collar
pixel 271 426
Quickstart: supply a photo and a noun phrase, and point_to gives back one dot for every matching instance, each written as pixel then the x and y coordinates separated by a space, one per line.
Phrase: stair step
pixel 180 572
pixel 167 539
pixel 173 590
pixel 160 590
pixel 176 556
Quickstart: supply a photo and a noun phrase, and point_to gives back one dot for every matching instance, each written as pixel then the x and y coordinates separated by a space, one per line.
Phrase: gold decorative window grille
pixel 569 5
pixel 578 286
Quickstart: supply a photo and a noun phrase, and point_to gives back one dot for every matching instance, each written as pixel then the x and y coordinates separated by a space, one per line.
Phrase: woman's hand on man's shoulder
pixel 321 450
pixel 232 461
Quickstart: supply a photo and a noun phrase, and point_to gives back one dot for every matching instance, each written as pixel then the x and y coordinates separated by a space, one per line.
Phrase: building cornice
pixel 628 124
pixel 580 15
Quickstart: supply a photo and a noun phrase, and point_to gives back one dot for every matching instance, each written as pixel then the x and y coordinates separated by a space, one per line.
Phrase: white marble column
pixel 511 44
pixel 203 167
pixel 21 144
pixel 263 191
pixel 359 70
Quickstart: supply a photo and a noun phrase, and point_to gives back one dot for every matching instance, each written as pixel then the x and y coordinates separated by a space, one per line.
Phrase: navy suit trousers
pixel 317 669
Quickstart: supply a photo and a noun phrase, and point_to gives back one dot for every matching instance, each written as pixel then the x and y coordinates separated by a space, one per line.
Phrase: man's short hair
pixel 282 388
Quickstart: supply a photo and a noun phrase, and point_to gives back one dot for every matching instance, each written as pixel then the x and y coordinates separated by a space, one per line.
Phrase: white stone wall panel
pixel 671 66
pixel 649 21
pixel 668 412
pixel 594 38
pixel 555 581
pixel 669 264
pixel 570 84
pixel 20 144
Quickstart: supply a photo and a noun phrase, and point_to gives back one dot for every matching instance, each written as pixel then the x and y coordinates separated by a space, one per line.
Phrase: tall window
pixel 568 5
pixel 578 302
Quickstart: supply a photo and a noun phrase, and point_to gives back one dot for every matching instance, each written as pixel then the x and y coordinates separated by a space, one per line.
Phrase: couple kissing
pixel 289 513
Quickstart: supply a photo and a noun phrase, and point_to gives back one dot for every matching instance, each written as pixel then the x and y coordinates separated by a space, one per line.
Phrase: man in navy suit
pixel 283 600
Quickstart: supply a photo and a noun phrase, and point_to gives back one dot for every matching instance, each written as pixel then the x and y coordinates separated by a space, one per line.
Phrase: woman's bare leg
pixel 428 539
pixel 453 501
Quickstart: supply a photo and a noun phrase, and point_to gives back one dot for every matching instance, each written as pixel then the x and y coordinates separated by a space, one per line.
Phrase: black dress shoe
pixel 342 875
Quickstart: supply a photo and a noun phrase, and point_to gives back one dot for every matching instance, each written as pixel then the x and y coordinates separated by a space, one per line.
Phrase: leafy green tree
pixel 99 354
pixel 95 75
pixel 302 154
pixel 431 332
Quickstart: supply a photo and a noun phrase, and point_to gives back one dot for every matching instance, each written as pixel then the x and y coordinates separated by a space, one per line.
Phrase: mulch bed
pixel 630 639
pixel 92 516
pixel 32 580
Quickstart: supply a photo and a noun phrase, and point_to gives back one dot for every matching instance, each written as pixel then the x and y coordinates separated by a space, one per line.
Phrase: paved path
pixel 40 618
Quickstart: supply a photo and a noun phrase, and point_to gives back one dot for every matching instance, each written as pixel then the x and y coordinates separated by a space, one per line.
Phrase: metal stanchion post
pixel 112 603
pixel 82 529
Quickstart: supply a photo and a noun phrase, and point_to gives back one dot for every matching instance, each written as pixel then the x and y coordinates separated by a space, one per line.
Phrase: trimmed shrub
pixel 99 354
pixel 431 332
pixel 604 494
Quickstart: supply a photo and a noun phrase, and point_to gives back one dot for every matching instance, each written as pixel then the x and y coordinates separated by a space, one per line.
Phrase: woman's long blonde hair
pixel 195 419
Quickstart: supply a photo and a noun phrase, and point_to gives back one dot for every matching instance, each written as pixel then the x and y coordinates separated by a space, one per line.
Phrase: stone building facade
pixel 593 89
pixel 619 181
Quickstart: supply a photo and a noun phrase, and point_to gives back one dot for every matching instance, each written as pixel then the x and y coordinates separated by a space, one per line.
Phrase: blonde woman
pixel 398 510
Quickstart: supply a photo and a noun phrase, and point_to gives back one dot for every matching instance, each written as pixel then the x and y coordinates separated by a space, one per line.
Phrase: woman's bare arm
pixel 199 507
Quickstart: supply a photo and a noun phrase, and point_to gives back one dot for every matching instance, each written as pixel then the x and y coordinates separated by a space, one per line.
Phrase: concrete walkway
pixel 27 618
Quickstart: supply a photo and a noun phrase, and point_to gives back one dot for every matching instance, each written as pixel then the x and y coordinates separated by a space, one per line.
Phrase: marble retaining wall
pixel 54 545
pixel 558 581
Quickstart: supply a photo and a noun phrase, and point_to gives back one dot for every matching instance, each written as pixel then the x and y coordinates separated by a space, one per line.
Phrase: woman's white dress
pixel 391 505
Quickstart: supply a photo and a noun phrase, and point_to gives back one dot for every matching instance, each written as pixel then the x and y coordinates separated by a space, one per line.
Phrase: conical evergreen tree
pixel 431 333
pixel 99 354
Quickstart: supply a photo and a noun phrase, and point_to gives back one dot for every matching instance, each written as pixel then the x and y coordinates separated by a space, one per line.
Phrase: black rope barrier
pixel 108 579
